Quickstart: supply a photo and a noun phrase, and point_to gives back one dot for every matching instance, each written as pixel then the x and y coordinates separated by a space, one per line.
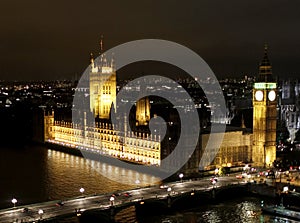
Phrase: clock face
pixel 259 95
pixel 272 95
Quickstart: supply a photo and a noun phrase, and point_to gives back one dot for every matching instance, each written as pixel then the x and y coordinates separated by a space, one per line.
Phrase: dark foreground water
pixel 238 210
pixel 36 174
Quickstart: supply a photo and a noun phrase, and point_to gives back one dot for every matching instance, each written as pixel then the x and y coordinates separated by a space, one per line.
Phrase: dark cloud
pixel 52 39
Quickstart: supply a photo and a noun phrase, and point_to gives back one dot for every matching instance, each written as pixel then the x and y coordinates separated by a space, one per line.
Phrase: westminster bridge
pixel 161 197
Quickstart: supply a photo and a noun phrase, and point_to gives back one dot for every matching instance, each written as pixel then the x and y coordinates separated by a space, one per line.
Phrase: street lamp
pixel 181 176
pixel 214 183
pixel 169 190
pixel 14 201
pixel 193 192
pixel 285 189
pixel 111 200
pixel 81 190
pixel 40 212
pixel 216 171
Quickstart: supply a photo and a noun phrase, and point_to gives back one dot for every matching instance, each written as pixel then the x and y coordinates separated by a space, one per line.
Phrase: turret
pixel 48 125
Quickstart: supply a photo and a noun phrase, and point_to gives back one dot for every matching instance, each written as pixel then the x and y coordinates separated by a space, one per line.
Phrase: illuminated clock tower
pixel 264 115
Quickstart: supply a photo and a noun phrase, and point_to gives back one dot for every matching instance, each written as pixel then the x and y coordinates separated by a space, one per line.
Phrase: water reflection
pixel 35 174
pixel 66 174
pixel 245 210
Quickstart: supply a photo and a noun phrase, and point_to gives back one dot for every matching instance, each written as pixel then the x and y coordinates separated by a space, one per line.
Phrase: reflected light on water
pixel 212 216
pixel 66 173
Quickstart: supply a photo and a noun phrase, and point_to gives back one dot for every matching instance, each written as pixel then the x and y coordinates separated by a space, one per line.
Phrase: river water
pixel 36 174
pixel 238 210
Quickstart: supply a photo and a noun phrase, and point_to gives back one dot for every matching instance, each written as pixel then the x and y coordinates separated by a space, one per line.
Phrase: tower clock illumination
pixel 259 95
pixel 264 115
pixel 272 95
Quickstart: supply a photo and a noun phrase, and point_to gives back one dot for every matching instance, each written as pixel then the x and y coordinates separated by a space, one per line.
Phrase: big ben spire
pixel 265 68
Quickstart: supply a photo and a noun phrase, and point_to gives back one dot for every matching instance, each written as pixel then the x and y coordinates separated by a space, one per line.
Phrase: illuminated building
pixel 143 111
pixel 234 150
pixel 290 108
pixel 103 87
pixel 264 115
pixel 239 145
pixel 104 137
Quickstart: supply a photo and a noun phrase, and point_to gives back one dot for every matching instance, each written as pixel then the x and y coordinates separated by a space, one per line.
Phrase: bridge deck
pixel 102 201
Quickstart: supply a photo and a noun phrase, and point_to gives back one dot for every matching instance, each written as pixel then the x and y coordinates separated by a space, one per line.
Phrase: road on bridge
pixel 33 213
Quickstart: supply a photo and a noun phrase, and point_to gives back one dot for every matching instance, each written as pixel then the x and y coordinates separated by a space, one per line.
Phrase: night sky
pixel 46 40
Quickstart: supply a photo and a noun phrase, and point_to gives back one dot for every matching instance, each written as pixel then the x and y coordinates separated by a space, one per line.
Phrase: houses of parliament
pixel 240 145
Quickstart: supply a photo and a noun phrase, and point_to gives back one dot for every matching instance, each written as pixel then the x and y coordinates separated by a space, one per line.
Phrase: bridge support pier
pixel 112 214
pixel 169 201
pixel 213 193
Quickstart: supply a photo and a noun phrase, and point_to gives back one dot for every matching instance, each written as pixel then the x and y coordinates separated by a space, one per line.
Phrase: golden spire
pixel 101 44
pixel 91 58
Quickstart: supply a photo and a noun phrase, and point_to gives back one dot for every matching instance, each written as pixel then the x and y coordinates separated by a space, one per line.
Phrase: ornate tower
pixel 143 111
pixel 264 115
pixel 48 125
pixel 103 86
